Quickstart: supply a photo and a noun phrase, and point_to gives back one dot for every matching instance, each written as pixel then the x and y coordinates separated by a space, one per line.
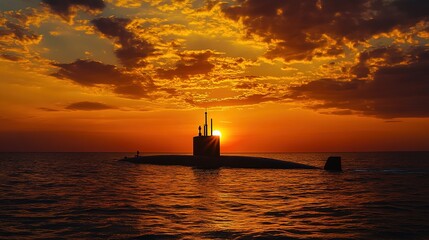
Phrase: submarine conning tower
pixel 205 145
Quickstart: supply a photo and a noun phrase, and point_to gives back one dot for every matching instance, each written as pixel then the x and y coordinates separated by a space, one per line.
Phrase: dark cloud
pixel 388 55
pixel 48 109
pixel 89 106
pixel 133 49
pixel 304 29
pixel 396 90
pixel 92 73
pixel 10 57
pixel 339 112
pixel 18 33
pixel 243 100
pixel 191 63
pixel 65 8
pixel 250 85
pixel 89 73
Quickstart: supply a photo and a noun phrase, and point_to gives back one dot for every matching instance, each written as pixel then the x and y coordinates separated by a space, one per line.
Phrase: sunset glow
pixel 302 76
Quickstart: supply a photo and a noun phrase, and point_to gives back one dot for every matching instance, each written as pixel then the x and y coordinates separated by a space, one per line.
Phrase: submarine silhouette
pixel 206 154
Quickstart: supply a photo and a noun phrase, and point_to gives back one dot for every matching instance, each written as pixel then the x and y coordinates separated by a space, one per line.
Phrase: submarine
pixel 206 155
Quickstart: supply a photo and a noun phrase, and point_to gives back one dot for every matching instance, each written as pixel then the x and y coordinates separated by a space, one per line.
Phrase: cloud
pixel 190 63
pixel 385 56
pixel 242 100
pixel 16 38
pixel 133 49
pixel 67 8
pixel 10 57
pixel 89 106
pixel 92 73
pixel 26 17
pixel 18 33
pixel 301 30
pixel 128 3
pixel 48 109
pixel 395 91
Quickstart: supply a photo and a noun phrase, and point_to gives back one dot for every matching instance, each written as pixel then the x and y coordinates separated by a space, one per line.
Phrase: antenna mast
pixel 205 124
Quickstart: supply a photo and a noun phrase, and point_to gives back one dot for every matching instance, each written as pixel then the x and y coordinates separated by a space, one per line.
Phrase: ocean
pixel 382 195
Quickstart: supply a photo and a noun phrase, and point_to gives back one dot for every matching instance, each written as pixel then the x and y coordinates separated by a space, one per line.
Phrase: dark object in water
pixel 333 164
pixel 218 162
pixel 206 154
pixel 205 145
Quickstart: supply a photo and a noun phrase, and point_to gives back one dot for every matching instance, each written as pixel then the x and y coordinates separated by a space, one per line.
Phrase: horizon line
pixel 238 152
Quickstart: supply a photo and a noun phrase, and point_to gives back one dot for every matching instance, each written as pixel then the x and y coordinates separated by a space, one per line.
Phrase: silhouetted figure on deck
pixel 137 154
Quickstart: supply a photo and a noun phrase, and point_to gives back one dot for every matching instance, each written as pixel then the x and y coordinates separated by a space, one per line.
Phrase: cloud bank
pixel 89 106
pixel 66 8
pixel 396 90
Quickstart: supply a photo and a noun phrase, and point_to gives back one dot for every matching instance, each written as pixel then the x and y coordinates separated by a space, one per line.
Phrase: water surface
pixel 93 196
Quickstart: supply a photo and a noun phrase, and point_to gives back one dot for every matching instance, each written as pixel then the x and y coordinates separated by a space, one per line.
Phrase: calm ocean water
pixel 93 196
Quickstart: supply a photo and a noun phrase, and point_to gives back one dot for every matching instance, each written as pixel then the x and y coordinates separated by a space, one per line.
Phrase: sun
pixel 217 133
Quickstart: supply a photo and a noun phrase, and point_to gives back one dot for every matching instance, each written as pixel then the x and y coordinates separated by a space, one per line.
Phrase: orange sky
pixel 277 76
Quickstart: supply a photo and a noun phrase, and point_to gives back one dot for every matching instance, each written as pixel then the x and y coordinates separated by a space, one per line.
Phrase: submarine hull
pixel 218 162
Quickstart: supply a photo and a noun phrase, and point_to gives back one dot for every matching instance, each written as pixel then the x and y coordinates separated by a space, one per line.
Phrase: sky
pixel 275 75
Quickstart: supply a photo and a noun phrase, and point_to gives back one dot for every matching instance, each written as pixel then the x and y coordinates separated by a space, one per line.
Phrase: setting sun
pixel 217 133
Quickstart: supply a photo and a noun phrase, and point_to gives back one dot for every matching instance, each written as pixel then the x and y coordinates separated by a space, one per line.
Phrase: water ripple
pixel 92 196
